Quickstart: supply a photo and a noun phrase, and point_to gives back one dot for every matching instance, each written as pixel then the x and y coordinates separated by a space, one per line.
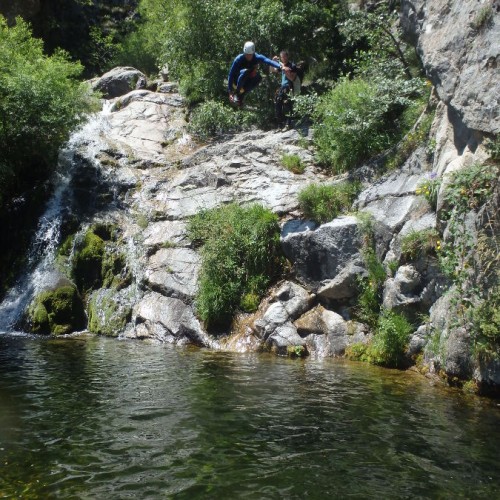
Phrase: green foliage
pixel 389 343
pixel 212 118
pixel 199 40
pixel 471 259
pixel 240 257
pixel 323 202
pixel 304 106
pixel 58 311
pixel 359 118
pixel 293 163
pixel 370 288
pixel 493 148
pixel 429 189
pixel 417 244
pixel 486 323
pixel 40 103
pixel 296 351
pixel 414 137
pixel 91 31
pixel 367 308
pixel 391 339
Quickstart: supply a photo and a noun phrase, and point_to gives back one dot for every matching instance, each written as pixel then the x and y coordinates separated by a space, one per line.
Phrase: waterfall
pixel 38 272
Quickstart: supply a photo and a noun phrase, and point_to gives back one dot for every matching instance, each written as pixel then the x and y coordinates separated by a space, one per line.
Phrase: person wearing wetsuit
pixel 244 75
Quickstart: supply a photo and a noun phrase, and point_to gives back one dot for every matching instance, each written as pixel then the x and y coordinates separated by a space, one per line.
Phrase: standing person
pixel 290 85
pixel 243 75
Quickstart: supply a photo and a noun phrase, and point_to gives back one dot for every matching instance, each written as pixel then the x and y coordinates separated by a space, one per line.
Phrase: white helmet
pixel 249 48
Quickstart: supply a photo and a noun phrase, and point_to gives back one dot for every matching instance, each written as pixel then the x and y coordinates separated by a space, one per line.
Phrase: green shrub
pixel 483 17
pixel 323 202
pixel 293 163
pixel 359 118
pixel 419 243
pixel 370 288
pixel 486 323
pixel 391 339
pixel 413 138
pixel 389 343
pixel 213 118
pixel 472 261
pixel 240 257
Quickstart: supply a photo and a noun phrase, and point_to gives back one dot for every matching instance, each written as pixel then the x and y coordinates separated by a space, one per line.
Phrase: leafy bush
pixel 471 258
pixel 293 163
pixel 240 256
pixel 359 118
pixel 348 123
pixel 389 343
pixel 370 288
pixel 323 202
pixel 391 339
pixel 40 103
pixel 213 118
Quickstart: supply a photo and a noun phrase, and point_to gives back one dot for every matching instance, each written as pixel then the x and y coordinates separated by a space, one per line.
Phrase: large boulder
pixel 320 255
pixel 286 305
pixel 119 81
pixel 110 310
pixel 57 310
pixel 168 320
pixel 327 334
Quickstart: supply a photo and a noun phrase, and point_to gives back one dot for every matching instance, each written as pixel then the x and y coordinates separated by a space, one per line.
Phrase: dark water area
pixel 96 418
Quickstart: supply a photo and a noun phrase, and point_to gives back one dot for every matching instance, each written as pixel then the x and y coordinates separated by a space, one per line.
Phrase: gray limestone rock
pixel 403 290
pixel 344 285
pixel 173 272
pixel 119 81
pixel 462 63
pixel 168 319
pixel 321 254
pixel 284 337
pixel 289 302
pixel 327 334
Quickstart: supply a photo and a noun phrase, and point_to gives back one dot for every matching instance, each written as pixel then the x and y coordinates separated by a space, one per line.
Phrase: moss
pixel 114 271
pixel 87 262
pixel 39 319
pixel 58 311
pixel 67 245
pixel 106 315
pixel 296 351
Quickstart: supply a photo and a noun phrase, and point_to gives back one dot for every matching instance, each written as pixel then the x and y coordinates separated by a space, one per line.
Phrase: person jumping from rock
pixel 243 75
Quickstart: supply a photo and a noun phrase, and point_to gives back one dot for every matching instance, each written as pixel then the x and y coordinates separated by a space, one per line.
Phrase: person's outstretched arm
pixel 266 60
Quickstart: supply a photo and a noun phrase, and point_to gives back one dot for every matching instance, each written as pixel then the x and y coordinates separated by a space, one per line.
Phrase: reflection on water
pixel 92 418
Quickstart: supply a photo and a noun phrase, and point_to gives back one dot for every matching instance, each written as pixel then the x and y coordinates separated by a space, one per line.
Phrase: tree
pixel 41 101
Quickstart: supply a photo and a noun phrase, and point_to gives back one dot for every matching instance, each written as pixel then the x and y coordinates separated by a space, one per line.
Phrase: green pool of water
pixel 103 419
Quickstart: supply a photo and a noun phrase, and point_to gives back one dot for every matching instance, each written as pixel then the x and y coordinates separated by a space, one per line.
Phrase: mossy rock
pixel 109 311
pixel 114 270
pixel 58 312
pixel 97 263
pixel 87 262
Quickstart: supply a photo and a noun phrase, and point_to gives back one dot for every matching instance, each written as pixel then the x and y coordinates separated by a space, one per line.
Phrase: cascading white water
pixel 39 268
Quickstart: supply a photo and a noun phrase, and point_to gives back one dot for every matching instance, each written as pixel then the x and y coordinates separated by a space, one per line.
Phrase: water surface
pixel 98 418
